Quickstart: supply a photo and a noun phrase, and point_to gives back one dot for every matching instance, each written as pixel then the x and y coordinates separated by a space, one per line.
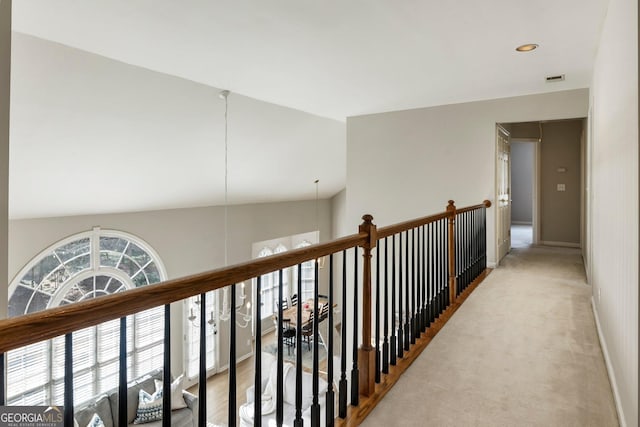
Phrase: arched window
pixel 85 266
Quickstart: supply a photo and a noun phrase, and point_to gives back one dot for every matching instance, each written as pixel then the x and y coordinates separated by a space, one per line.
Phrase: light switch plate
pixel 561 187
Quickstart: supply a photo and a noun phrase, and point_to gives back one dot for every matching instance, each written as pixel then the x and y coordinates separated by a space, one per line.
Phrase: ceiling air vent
pixel 558 78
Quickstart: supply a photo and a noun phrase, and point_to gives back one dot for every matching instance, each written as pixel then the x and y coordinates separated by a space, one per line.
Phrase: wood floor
pixel 218 387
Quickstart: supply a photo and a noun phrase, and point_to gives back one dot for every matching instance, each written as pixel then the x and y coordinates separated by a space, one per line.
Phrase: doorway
pixel 539 179
pixel 524 192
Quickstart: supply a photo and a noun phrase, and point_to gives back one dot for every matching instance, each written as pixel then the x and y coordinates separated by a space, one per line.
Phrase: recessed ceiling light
pixel 527 47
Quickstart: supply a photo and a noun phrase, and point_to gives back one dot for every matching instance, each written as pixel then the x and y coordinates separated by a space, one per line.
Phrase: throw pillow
pixel 149 407
pixel 177 399
pixel 96 421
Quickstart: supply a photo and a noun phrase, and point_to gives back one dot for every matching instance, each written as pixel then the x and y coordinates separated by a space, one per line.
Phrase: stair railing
pixel 414 276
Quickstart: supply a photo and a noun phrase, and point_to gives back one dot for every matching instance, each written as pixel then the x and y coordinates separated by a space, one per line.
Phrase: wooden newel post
pixel 366 353
pixel 451 213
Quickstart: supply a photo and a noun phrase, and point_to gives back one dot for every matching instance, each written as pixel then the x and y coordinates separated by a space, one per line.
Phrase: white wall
pixel 407 164
pixel 187 240
pixel 5 79
pixel 81 122
pixel 613 201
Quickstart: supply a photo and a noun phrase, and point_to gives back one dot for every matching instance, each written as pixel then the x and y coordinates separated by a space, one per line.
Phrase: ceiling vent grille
pixel 558 78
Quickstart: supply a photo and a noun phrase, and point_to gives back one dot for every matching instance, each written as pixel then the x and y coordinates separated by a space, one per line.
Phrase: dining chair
pixel 307 331
pixel 288 335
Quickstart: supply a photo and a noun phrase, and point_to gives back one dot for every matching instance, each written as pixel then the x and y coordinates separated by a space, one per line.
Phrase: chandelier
pixel 243 317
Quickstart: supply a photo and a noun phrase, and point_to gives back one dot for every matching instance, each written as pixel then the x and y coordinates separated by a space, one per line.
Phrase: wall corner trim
pixel 610 372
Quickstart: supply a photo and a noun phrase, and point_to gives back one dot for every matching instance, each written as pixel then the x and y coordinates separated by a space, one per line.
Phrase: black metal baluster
pixel 460 246
pixel 414 290
pixel 432 272
pixel 441 267
pixel 166 369
pixel 280 366
pixel 478 243
pixel 315 406
pixel 423 262
pixel 330 398
pixel 257 357
pixel 407 281
pixel 202 374
pixel 393 341
pixel 472 256
pixel 3 395
pixel 297 422
pixel 438 278
pixel 400 301
pixel 467 249
pixel 342 385
pixel 68 379
pixel 122 374
pixel 385 344
pixel 377 321
pixel 472 245
pixel 232 411
pixel 459 250
pixel 445 281
pixel 355 373
pixel 477 215
pixel 484 238
pixel 418 275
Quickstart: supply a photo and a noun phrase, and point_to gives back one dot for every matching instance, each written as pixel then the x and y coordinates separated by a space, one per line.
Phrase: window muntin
pixel 270 283
pixel 85 266
pixel 308 275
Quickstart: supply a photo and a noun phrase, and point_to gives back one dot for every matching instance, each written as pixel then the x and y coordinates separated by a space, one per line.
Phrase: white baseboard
pixel 521 222
pixel 607 360
pixel 561 244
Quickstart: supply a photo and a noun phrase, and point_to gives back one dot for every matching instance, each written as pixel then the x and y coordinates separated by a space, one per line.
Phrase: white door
pixel 503 191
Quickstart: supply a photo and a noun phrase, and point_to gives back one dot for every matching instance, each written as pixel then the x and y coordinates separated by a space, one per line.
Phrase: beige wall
pixel 612 209
pixel 188 241
pixel 5 71
pixel 560 210
pixel 406 164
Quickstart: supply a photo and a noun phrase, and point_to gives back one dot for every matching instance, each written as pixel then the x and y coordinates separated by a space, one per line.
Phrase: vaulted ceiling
pixel 106 59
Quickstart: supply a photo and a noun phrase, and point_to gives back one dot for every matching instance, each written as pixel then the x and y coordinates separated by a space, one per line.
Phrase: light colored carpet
pixel 522 350
pixel 521 236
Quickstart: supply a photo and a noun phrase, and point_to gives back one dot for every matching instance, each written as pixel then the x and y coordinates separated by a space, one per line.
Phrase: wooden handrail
pixel 390 230
pixel 20 331
pixel 16 332
pixel 485 204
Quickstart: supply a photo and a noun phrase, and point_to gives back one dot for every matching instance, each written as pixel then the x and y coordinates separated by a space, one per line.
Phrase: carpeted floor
pixel 523 350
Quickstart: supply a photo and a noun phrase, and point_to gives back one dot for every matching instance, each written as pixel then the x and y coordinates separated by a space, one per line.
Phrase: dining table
pixel 291 314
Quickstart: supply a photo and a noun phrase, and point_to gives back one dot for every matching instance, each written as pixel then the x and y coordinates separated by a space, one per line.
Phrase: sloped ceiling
pixel 121 96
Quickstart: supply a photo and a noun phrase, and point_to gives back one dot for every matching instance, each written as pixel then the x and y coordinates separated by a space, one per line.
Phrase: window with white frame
pixel 85 266
pixel 192 354
pixel 308 275
pixel 270 283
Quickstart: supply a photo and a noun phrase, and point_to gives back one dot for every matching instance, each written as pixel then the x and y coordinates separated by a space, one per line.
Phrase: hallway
pixel 523 350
